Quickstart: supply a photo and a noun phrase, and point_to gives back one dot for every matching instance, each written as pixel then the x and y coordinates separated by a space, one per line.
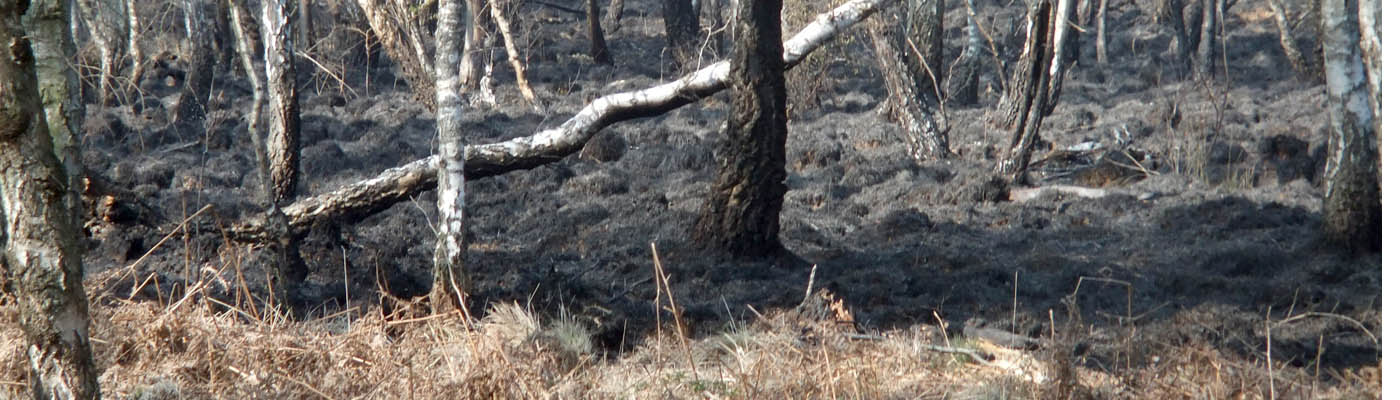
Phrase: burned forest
pixel 1057 199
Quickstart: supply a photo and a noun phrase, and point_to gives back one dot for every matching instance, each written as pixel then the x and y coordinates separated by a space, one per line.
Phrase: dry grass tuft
pixel 199 350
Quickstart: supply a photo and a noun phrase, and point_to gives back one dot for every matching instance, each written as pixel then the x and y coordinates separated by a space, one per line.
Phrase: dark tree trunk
pixel 740 216
pixel 1301 66
pixel 199 79
pixel 283 139
pixel 923 28
pixel 42 253
pixel 598 45
pixel 1173 13
pixel 682 31
pixel 1028 98
pixel 1351 211
pixel 915 110
pixel 304 24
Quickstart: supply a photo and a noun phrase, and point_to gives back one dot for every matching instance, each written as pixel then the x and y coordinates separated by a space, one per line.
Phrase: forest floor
pixel 1197 274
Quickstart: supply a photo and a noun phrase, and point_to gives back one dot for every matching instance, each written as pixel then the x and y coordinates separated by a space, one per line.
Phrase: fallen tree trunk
pixel 364 198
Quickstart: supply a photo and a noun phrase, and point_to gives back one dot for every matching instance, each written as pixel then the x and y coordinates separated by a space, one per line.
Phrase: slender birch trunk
pixel 450 280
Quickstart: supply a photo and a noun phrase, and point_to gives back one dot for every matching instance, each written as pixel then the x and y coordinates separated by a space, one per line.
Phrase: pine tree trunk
pixel 450 280
pixel 1351 210
pixel 740 216
pixel 682 32
pixel 283 139
pixel 305 24
pixel 598 45
pixel 42 254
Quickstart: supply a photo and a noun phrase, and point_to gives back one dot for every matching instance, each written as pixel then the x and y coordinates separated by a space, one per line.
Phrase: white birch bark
pixel 377 193
pixel 1351 207
pixel 449 277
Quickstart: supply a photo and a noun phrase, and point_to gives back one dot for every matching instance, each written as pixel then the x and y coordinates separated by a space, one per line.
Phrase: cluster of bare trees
pixel 41 110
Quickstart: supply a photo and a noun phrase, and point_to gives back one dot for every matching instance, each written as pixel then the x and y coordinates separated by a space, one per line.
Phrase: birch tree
pixel 107 19
pixel 283 140
pixel 1351 210
pixel 1031 95
pixel 740 215
pixel 47 22
pixel 450 283
pixel 42 254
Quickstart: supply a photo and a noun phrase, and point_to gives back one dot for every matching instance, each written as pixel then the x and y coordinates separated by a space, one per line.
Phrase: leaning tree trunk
pixel 42 253
pixel 450 281
pixel 1211 27
pixel 47 22
pixel 1028 98
pixel 107 19
pixel 1290 45
pixel 598 45
pixel 199 78
pixel 1351 211
pixel 243 30
pixel 283 140
pixel 963 84
pixel 916 110
pixel 682 32
pixel 740 215
pixel 403 40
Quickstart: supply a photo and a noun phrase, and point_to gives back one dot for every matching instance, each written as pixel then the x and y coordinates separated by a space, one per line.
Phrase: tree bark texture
pixel 107 20
pixel 199 60
pixel 1173 14
pixel 1351 209
pixel 449 274
pixel 1061 56
pixel 597 43
pixel 473 47
pixel 133 34
pixel 1369 21
pixel 962 86
pixel 284 120
pixel 1300 63
pixel 42 256
pixel 364 198
pixel 1211 25
pixel 1026 101
pixel 283 141
pixel 47 23
pixel 244 29
pixel 1100 32
pixel 682 32
pixel 740 216
pixel 916 111
pixel 402 38
pixel 305 24
pixel 923 28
